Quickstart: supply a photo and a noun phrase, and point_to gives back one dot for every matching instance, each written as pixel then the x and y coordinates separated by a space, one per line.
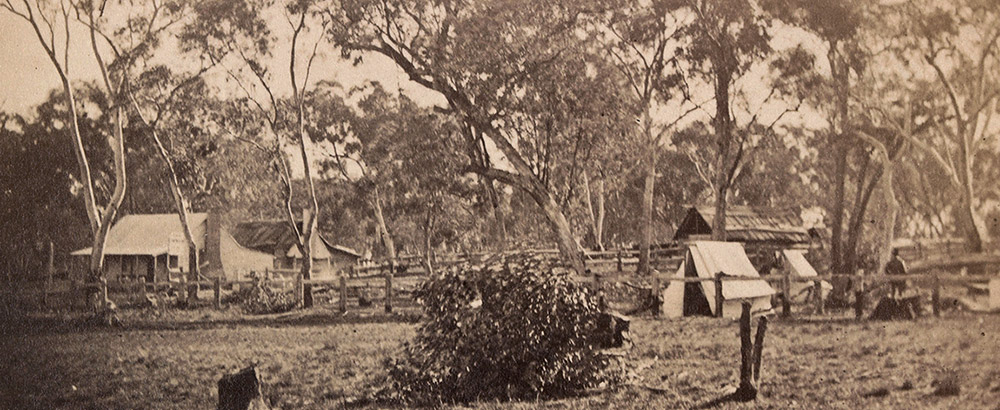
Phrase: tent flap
pixel 708 258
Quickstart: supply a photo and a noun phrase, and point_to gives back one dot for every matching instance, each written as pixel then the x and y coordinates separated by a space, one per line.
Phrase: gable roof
pixel 276 237
pixel 149 234
pixel 746 224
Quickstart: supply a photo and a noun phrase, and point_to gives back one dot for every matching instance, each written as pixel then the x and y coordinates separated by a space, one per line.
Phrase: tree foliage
pixel 513 329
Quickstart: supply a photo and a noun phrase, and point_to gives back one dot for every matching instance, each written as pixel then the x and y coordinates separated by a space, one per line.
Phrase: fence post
pixel 657 303
pixel 859 298
pixel 786 290
pixel 936 296
pixel 217 288
pixel 621 263
pixel 597 283
pixel 104 292
pixel 300 290
pixel 388 291
pixel 818 290
pixel 719 299
pixel 343 293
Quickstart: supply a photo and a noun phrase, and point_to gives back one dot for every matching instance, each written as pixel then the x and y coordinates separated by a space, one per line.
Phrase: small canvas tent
pixel 795 264
pixel 704 259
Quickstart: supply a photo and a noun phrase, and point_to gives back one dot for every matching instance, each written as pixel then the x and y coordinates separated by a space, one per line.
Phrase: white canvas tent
pixel 704 259
pixel 795 264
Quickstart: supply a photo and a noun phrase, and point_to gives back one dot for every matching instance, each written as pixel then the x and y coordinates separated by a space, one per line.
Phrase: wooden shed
pixel 276 238
pixel 777 227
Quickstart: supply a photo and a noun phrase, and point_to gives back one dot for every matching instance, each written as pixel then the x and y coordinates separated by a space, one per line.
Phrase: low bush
pixel 513 329
pixel 262 298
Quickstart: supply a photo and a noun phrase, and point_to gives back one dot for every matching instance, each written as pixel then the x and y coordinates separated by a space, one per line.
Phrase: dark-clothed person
pixel 896 267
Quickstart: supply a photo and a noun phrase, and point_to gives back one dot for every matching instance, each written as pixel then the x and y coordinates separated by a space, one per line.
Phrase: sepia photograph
pixel 499 204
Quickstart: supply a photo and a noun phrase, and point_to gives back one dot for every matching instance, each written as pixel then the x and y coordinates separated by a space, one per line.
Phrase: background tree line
pixel 574 123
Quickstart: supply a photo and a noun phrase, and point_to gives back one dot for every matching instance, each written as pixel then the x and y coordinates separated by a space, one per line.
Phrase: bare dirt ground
pixel 316 360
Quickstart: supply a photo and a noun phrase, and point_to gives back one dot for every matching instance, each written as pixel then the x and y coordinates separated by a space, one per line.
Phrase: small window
pixel 173 262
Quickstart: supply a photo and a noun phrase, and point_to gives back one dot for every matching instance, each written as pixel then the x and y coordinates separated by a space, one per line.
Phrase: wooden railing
pixel 604 267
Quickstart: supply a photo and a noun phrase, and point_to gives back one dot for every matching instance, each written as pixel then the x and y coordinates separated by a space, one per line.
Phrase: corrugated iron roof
pixel 750 224
pixel 272 236
pixel 149 234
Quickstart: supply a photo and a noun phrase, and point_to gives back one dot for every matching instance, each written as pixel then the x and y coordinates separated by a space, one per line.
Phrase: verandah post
pixel 217 290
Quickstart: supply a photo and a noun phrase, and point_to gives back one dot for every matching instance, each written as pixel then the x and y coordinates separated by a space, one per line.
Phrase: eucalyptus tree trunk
pixel 648 185
pixel 724 137
pixel 596 212
pixel 975 231
pixel 892 212
pixel 383 228
pixel 308 226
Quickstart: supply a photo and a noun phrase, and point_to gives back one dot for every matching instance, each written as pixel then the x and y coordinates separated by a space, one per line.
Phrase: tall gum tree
pixel 114 47
pixel 960 44
pixel 728 44
pixel 726 39
pixel 479 56
pixel 642 41
pixel 239 29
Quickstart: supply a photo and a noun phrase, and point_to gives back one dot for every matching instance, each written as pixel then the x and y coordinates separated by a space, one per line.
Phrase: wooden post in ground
pixel 936 296
pixel 657 302
pixel 750 356
pixel 786 291
pixel 388 291
pixel 859 298
pixel 818 290
pixel 621 263
pixel 300 290
pixel 758 349
pixel 343 293
pixel 217 290
pixel 746 390
pixel 719 299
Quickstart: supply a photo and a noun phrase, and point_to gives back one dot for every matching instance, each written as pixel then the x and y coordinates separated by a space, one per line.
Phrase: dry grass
pixel 309 363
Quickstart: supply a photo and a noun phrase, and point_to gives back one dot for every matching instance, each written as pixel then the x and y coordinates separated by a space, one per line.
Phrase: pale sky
pixel 28 75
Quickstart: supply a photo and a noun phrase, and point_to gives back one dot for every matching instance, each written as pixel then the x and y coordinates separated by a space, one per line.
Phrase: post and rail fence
pixel 606 267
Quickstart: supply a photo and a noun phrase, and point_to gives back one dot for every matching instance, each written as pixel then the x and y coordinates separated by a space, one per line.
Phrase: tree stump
pixel 897 309
pixel 613 329
pixel 241 391
pixel 750 356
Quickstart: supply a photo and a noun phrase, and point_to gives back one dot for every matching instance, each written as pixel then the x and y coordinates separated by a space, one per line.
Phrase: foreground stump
pixel 241 391
pixel 750 356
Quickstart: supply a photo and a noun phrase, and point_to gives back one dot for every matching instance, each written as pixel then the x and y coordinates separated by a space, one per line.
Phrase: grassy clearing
pixel 309 363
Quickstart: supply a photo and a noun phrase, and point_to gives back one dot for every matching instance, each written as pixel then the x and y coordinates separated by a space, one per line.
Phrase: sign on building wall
pixel 177 252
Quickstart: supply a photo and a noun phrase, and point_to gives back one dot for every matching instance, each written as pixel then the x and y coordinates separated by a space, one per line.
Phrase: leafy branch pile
pixel 514 329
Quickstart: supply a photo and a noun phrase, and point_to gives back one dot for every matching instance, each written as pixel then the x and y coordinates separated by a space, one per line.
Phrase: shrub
pixel 514 329
pixel 261 297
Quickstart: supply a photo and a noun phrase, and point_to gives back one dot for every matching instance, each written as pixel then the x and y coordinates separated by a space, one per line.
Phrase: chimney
pixel 213 243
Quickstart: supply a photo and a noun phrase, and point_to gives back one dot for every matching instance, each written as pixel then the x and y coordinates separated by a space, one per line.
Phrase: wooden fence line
pixel 606 267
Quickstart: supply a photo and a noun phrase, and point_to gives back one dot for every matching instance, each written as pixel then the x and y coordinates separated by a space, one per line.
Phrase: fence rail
pixel 605 267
